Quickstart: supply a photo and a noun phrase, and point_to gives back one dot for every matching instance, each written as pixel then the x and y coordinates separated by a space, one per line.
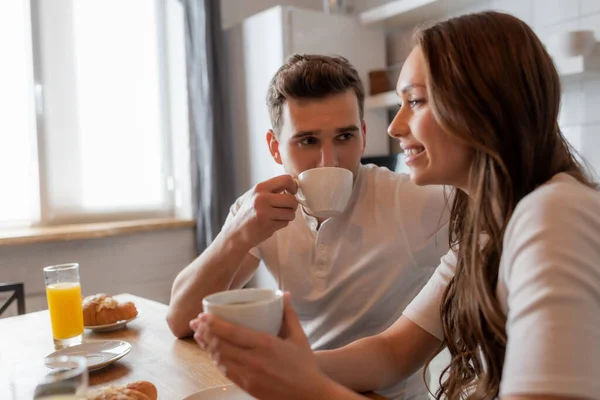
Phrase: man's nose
pixel 328 156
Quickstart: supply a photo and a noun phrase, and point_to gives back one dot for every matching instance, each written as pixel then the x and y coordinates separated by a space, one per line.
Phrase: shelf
pixel 570 69
pixel 576 68
pixel 382 100
pixel 29 235
pixel 410 12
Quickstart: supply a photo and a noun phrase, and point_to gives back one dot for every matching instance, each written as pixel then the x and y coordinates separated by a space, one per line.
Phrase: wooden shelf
pixel 576 68
pixel 399 13
pixel 382 100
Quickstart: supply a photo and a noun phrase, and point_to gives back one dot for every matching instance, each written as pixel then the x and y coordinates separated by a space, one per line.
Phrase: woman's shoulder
pixel 561 197
pixel 555 224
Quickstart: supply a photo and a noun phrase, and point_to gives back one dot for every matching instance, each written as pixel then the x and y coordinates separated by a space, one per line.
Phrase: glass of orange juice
pixel 63 292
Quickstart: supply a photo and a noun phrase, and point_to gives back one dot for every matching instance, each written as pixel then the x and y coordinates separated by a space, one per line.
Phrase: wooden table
pixel 177 367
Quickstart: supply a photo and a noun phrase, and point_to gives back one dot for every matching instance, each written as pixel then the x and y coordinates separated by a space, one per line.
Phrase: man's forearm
pixel 213 271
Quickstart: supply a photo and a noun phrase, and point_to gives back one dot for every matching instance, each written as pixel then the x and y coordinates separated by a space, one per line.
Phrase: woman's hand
pixel 265 366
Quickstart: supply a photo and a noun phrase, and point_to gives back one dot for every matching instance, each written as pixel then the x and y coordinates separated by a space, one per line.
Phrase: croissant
pixel 101 309
pixel 140 390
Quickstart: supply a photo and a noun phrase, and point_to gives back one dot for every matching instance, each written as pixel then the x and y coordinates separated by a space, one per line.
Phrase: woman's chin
pixel 419 178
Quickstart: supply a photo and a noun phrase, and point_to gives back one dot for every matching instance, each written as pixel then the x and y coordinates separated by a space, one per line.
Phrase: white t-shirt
pixel 353 276
pixel 548 287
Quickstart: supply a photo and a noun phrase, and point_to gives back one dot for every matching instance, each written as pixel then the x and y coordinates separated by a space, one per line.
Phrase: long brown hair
pixel 493 87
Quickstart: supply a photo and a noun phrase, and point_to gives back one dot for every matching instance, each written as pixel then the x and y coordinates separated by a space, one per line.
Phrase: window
pixel 18 154
pixel 109 80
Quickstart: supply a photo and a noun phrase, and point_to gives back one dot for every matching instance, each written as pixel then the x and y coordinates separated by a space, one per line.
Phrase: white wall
pixel 144 264
pixel 234 11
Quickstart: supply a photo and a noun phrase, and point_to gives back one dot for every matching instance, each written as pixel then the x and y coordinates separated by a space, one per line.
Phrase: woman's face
pixel 433 156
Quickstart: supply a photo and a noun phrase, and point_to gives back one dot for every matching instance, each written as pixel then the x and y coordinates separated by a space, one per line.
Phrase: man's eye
pixel 307 141
pixel 345 136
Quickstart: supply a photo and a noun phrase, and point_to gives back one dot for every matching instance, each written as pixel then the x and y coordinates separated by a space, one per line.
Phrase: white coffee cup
pixel 258 309
pixel 325 191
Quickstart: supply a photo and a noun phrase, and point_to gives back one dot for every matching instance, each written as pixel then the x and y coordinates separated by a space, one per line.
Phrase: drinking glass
pixel 63 292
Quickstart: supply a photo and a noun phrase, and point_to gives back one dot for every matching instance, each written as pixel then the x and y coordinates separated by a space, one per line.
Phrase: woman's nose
pixel 399 126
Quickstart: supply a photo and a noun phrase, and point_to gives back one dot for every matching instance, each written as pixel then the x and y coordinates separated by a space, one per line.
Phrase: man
pixel 350 276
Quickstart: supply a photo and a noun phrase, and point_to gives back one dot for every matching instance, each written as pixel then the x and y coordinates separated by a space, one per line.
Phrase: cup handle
pixel 299 196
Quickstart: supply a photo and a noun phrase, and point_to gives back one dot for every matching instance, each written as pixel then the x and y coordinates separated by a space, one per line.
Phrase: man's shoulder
pixel 382 177
pixel 397 185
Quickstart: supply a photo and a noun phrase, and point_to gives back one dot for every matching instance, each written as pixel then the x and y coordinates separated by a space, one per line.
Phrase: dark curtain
pixel 211 138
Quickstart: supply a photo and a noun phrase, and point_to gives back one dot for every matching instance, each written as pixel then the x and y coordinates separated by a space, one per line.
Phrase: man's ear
pixel 274 146
pixel 363 129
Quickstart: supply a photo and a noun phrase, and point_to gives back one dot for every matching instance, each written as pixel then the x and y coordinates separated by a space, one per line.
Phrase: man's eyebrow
pixel 349 128
pixel 301 134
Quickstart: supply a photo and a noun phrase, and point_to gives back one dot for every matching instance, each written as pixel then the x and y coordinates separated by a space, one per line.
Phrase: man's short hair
pixel 311 76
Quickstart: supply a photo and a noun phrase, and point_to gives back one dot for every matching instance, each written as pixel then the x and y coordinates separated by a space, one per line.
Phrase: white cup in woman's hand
pixel 258 309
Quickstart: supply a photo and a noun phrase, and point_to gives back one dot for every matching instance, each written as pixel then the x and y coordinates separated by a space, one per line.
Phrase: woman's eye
pixel 412 103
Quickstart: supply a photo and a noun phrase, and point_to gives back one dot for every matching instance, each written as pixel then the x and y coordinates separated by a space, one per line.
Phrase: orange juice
pixel 66 312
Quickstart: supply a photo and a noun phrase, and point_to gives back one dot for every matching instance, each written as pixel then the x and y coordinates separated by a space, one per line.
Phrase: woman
pixel 517 300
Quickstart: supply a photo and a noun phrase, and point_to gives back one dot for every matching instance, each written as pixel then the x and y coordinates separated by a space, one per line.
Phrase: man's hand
pixel 270 206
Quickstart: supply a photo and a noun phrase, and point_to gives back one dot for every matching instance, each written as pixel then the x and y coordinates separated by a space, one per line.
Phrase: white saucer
pixel 111 327
pixel 225 392
pixel 98 353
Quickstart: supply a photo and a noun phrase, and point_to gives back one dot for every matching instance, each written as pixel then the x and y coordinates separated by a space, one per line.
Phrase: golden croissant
pixel 140 390
pixel 101 309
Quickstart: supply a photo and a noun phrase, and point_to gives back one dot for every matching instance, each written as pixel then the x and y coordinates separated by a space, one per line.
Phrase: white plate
pixel 225 392
pixel 98 353
pixel 111 327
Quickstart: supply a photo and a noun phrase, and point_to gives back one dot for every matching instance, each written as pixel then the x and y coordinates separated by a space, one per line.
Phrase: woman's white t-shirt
pixel 549 288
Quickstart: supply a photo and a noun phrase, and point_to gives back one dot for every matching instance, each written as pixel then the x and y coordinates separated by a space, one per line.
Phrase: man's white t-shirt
pixel 549 289
pixel 353 276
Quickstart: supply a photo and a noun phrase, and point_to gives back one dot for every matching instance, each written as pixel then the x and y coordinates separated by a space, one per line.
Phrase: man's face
pixel 316 133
